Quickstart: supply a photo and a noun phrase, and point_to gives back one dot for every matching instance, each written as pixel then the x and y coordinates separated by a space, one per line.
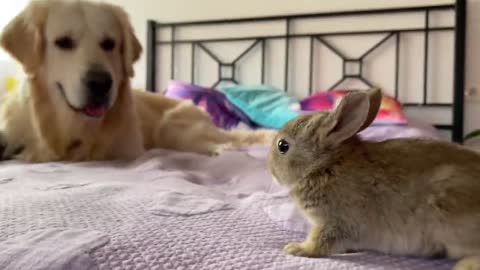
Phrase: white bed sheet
pixel 167 210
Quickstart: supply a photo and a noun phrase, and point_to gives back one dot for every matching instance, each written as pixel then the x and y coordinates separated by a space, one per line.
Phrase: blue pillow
pixel 264 105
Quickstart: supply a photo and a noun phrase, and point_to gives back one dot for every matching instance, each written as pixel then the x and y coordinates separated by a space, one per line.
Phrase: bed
pixel 172 210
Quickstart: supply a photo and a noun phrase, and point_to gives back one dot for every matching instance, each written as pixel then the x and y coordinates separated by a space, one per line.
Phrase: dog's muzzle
pixel 98 84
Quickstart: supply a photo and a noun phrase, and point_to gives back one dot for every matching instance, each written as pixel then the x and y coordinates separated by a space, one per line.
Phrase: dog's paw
pixel 218 149
pixel 468 263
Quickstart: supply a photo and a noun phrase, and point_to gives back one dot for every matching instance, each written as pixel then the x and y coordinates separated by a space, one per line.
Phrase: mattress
pixel 166 210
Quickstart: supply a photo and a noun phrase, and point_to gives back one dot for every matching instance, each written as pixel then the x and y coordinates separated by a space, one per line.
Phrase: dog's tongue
pixel 95 110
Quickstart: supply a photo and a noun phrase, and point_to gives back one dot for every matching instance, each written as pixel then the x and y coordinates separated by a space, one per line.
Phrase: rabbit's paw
pixel 303 250
pixel 468 263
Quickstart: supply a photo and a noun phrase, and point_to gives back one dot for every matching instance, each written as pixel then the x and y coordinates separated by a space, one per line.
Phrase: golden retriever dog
pixel 77 104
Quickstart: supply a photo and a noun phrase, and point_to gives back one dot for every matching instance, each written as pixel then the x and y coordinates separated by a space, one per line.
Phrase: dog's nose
pixel 98 83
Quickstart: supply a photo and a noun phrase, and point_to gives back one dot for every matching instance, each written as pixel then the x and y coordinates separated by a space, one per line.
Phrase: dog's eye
pixel 283 146
pixel 65 43
pixel 108 44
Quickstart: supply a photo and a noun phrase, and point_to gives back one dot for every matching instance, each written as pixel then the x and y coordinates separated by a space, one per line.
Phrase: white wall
pixel 472 109
pixel 8 9
pixel 181 10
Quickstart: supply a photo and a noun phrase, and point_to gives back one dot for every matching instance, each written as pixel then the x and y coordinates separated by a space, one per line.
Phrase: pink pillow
pixel 390 112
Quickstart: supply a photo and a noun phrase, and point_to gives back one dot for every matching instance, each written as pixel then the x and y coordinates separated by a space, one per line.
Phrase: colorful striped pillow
pixel 390 112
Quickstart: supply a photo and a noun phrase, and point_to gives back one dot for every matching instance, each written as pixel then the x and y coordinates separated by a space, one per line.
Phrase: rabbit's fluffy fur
pixel 402 196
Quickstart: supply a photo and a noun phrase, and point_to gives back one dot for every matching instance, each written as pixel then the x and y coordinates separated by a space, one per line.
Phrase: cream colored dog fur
pixel 54 118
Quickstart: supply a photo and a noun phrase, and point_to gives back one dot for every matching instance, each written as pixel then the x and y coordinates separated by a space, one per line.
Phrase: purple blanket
pixel 166 210
pixel 223 113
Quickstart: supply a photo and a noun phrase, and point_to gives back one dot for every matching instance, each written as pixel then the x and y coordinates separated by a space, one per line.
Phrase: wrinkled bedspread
pixel 166 210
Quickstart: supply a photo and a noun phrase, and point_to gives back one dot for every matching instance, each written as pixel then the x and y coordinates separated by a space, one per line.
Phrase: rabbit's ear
pixel 375 99
pixel 355 112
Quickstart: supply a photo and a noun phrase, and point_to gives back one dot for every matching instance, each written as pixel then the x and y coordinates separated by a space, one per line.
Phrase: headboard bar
pixel 425 56
pixel 459 73
pixel 151 55
pixel 312 15
pixel 292 36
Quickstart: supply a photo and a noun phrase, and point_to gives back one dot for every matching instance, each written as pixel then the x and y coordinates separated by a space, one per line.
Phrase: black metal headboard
pixel 458 29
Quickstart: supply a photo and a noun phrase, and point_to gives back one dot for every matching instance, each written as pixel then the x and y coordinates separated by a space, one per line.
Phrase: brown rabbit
pixel 402 196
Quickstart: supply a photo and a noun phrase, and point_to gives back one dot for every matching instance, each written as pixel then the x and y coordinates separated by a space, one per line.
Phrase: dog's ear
pixel 131 47
pixel 23 37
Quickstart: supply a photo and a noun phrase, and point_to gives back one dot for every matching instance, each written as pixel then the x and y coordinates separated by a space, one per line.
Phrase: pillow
pixel 224 114
pixel 390 112
pixel 264 105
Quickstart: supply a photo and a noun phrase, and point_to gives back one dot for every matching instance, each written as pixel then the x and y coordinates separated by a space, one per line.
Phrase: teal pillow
pixel 264 105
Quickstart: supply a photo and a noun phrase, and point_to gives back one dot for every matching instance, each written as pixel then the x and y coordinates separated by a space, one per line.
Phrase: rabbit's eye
pixel 283 146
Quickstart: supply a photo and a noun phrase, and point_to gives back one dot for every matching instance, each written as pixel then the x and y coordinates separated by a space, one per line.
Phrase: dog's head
pixel 83 51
